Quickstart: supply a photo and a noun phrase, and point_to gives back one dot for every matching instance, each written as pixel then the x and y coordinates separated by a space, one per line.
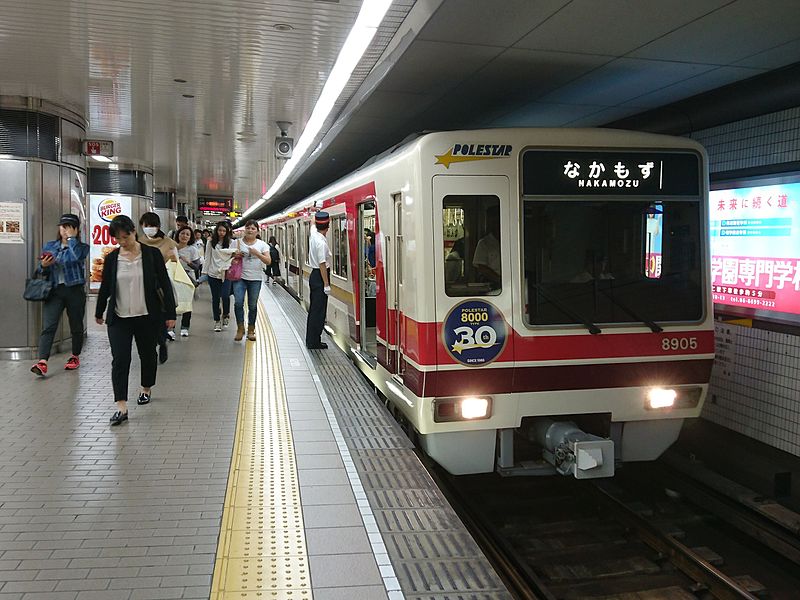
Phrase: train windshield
pixel 607 261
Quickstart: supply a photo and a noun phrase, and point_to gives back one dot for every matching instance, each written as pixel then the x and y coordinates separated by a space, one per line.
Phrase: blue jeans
pixel 253 289
pixel 220 290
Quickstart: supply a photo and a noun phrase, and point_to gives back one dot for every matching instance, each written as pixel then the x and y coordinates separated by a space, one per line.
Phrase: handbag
pixel 234 272
pixel 37 289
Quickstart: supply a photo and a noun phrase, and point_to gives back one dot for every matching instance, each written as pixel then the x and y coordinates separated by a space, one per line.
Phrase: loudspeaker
pixel 284 147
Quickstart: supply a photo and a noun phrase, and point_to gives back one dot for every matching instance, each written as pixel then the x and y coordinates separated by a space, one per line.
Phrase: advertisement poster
pixel 103 208
pixel 755 247
pixel 12 219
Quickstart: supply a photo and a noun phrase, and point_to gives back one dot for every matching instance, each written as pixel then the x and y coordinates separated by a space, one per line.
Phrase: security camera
pixel 284 144
pixel 284 147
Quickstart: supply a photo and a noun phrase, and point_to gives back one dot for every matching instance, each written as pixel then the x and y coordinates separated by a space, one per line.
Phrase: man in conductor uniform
pixel 319 257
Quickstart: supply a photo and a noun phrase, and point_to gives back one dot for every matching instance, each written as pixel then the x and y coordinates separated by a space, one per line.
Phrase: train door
pixel 291 256
pixel 474 242
pixel 367 284
pixel 397 282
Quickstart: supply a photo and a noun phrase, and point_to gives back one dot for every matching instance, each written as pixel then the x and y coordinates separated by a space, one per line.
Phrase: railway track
pixel 558 538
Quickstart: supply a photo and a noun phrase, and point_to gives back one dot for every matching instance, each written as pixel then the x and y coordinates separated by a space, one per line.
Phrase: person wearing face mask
pixel 150 223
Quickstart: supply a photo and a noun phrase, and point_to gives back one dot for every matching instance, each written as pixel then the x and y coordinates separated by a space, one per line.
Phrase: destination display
pixel 573 173
pixel 215 206
pixel 755 247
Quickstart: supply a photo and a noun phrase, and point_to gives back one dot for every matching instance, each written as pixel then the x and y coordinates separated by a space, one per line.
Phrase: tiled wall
pixel 766 140
pixel 755 385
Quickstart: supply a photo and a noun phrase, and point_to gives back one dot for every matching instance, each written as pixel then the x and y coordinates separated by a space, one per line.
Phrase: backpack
pixel 273 254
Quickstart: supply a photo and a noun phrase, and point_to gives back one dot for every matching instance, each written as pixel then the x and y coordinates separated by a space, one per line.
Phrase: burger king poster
pixel 103 208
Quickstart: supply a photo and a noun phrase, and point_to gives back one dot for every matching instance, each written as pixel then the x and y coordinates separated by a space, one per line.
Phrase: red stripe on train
pixel 556 378
pixel 423 344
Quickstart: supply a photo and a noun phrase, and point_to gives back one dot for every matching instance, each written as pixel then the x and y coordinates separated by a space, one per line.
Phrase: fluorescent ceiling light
pixel 358 40
pixel 103 159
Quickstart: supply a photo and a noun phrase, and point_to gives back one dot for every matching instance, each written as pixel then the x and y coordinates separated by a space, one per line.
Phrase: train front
pixel 576 327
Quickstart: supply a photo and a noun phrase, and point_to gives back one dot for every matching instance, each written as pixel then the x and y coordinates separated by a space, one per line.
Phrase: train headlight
pixel 661 398
pixel 461 409
pixel 474 408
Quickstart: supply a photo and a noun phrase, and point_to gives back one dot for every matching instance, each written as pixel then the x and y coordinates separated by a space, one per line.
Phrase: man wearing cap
pixel 63 263
pixel 319 257
pixel 180 222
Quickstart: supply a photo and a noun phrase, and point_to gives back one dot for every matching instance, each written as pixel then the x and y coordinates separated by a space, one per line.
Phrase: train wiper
pixel 593 329
pixel 654 327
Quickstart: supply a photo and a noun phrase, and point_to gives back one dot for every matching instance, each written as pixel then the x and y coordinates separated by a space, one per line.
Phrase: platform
pixel 260 470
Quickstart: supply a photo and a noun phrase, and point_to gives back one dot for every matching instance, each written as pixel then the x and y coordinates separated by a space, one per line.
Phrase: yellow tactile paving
pixel 262 547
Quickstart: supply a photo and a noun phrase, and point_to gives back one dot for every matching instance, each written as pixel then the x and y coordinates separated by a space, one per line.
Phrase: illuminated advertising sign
pixel 215 206
pixel 102 209
pixel 755 247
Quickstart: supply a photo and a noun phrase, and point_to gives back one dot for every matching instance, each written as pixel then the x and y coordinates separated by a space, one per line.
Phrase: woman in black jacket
pixel 138 293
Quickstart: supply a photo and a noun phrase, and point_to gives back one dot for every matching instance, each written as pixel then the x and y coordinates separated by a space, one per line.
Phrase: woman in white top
pixel 255 254
pixel 189 257
pixel 138 293
pixel 219 253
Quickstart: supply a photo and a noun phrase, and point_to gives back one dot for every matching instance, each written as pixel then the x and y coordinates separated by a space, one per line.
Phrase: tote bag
pixel 182 286
pixel 37 289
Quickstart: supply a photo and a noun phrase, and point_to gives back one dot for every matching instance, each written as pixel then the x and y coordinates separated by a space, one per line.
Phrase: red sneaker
pixel 40 368
pixel 73 363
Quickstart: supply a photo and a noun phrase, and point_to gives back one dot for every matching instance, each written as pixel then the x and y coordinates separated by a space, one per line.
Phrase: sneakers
pixel 118 417
pixel 217 326
pixel 171 335
pixel 73 363
pixel 184 333
pixel 40 368
pixel 274 282
pixel 225 322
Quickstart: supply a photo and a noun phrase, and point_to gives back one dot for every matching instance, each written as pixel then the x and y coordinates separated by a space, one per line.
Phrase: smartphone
pixel 46 255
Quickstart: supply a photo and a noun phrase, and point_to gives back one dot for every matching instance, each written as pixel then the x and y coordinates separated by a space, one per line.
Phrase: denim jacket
pixel 70 259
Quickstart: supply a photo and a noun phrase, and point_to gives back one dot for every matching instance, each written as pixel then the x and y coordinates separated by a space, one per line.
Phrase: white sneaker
pixel 225 323
pixel 171 335
pixel 184 333
pixel 217 326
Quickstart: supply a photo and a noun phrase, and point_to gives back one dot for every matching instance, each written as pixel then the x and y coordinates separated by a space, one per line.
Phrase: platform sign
pixel 755 247
pixel 98 147
pixel 102 209
pixel 215 206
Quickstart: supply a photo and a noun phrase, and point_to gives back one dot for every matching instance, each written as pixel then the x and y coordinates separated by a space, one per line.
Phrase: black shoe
pixel 320 346
pixel 118 417
pixel 162 353
pixel 143 398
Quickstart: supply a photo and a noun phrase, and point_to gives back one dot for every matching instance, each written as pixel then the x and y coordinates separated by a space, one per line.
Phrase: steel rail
pixel 683 557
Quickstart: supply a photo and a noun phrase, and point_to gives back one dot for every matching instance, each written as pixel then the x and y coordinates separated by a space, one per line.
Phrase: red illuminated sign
pixel 215 206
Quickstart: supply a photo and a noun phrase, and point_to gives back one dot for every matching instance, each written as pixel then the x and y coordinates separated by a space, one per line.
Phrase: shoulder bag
pixel 234 272
pixel 37 288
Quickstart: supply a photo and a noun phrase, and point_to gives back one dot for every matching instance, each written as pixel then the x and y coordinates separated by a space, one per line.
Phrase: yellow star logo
pixel 447 158
pixel 457 348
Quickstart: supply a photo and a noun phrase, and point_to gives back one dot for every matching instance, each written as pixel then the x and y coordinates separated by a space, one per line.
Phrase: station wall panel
pixel 757 372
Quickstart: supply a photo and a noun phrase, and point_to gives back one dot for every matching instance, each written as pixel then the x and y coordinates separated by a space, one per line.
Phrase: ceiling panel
pixel 545 114
pixel 729 34
pixel 774 58
pixel 488 23
pixel 623 79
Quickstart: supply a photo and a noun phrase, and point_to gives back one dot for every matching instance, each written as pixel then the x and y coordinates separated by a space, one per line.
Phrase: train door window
pixel 339 249
pixel 472 245
pixel 307 239
pixel 369 342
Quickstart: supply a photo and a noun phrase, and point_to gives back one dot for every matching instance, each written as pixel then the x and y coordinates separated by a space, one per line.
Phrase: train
pixel 529 301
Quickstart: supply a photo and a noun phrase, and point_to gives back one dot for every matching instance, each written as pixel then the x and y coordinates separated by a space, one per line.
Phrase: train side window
pixel 472 242
pixel 339 249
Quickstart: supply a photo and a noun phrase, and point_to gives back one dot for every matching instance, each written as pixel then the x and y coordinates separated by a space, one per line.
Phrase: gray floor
pixel 130 512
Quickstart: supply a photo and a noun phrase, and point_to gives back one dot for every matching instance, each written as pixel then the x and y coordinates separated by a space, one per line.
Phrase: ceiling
pixel 434 64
